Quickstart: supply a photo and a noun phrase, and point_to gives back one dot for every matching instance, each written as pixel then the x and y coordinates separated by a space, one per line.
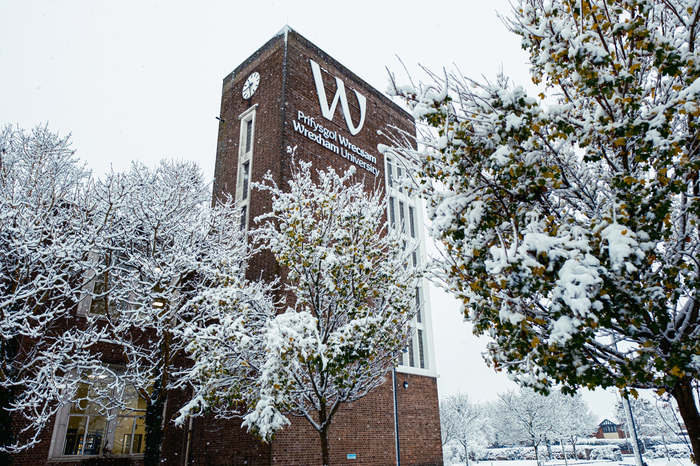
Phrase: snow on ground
pixel 626 461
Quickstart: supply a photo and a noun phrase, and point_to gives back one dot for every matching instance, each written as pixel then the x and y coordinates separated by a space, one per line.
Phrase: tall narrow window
pixel 244 213
pixel 421 356
pixel 404 217
pixel 248 135
pixel 246 148
pixel 390 172
pixel 392 215
pixel 419 318
pixel 412 222
pixel 246 178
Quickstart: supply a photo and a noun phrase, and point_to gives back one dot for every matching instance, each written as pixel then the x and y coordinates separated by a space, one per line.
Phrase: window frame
pixel 113 417
pixel 246 149
pixel 419 356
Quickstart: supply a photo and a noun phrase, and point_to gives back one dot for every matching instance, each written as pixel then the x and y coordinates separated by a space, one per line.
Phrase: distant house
pixel 608 429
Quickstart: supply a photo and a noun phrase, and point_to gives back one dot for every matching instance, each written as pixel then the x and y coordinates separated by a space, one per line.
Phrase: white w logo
pixel 327 111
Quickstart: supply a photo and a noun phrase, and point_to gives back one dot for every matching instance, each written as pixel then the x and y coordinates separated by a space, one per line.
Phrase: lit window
pixel 86 428
pixel 130 431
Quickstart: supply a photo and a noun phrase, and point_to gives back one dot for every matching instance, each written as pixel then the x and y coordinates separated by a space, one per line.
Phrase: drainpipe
pixel 396 420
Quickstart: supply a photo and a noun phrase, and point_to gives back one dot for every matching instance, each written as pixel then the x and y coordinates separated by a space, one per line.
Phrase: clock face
pixel 251 85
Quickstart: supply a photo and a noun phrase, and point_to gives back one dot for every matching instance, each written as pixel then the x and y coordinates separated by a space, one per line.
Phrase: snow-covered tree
pixel 47 227
pixel 162 252
pixel 524 416
pixel 575 420
pixel 353 292
pixel 463 421
pixel 570 225
pixel 651 418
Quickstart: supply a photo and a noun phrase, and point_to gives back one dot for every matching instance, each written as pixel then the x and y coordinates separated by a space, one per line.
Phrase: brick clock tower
pixel 290 93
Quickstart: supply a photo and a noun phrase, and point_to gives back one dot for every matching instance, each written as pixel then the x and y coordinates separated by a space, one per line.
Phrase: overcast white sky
pixel 141 80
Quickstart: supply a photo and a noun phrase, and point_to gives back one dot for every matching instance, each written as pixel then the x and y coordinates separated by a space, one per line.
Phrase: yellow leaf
pixel 535 342
pixel 620 142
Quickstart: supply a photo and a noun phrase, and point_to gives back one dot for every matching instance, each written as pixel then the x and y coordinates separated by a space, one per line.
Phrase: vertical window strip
pixel 419 310
pixel 412 221
pixel 411 359
pixel 402 216
pixel 399 175
pixel 249 134
pixel 421 355
pixel 246 177
pixel 390 171
pixel 244 212
pixel 392 214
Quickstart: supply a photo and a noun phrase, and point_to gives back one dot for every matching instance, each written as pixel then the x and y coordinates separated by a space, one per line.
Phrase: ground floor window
pixel 87 427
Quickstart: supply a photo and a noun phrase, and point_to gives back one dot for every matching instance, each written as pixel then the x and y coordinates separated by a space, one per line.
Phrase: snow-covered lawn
pixel 626 461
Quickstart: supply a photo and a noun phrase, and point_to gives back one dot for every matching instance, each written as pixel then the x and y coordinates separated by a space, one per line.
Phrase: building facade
pixel 291 94
pixel 288 94
pixel 608 429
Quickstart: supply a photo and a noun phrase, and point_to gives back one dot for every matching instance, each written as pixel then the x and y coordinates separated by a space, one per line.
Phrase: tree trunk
pixel 7 397
pixel 563 451
pixel 573 445
pixel 325 447
pixel 154 425
pixel 537 454
pixel 682 391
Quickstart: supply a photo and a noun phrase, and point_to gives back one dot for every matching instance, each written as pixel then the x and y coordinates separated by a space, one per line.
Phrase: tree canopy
pixel 351 291
pixel 570 219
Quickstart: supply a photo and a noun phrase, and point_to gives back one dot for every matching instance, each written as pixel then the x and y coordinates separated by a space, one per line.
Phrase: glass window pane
pixel 411 360
pixel 95 435
pixel 139 443
pixel 75 433
pixel 390 173
pixel 248 134
pixel 246 175
pixel 419 318
pixel 421 355
pixel 123 435
pixel 244 211
pixel 99 299
pixel 132 401
pixel 411 219
pixel 392 215
pixel 85 394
